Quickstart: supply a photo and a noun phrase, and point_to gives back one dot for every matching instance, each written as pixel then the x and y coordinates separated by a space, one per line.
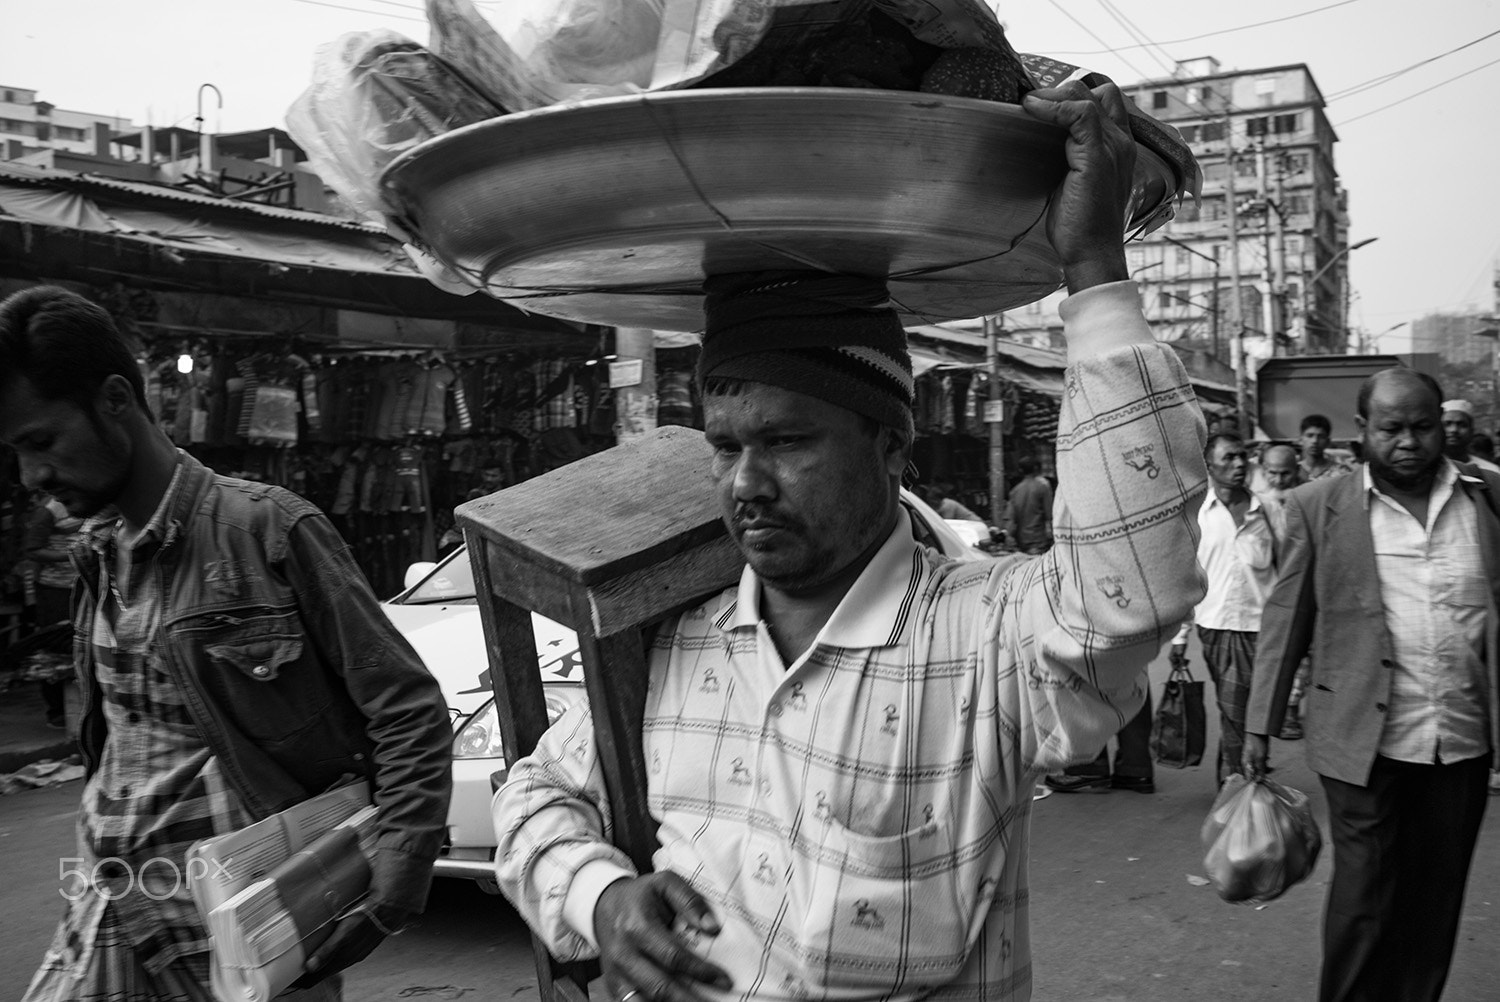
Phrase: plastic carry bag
pixel 1180 729
pixel 1259 839
pixel 529 54
pixel 373 96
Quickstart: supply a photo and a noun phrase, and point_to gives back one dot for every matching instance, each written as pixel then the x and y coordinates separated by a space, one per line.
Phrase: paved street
pixel 1114 915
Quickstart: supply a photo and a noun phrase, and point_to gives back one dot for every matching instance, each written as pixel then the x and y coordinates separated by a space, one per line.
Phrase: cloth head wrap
pixel 833 337
pixel 1463 406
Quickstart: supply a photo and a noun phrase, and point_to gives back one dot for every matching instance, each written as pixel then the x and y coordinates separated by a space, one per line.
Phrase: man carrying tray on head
pixel 842 751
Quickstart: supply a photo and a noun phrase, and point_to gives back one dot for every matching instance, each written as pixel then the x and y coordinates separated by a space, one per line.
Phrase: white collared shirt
pixel 1240 563
pixel 1436 600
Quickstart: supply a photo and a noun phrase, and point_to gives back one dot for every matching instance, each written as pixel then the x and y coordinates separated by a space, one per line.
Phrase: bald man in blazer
pixel 1390 578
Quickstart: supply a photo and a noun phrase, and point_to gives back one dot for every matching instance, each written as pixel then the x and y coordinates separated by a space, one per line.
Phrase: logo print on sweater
pixel 866 916
pixel 891 716
pixel 1113 587
pixel 763 872
pixel 1141 459
pixel 710 681
pixel 740 776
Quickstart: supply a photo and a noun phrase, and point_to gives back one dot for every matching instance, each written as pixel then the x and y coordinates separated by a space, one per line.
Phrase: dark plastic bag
pixel 1179 730
pixel 1259 839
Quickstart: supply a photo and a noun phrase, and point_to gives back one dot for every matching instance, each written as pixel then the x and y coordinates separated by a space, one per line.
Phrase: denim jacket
pixel 294 676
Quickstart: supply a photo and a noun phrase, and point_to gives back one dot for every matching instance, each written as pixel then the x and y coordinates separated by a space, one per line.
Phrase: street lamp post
pixel 1344 286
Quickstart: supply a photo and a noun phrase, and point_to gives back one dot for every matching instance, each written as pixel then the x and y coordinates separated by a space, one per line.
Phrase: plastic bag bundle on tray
pixel 534 53
pixel 373 96
pixel 1259 839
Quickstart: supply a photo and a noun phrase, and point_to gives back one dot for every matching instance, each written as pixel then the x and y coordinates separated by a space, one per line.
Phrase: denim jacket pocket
pixel 261 660
pixel 256 665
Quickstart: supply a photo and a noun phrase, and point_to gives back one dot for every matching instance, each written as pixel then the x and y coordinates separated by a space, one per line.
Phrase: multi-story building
pixel 1272 206
pixel 36 125
pixel 1460 351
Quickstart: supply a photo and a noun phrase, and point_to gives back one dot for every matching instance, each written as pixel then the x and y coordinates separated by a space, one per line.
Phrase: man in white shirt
pixel 1390 578
pixel 1237 553
pixel 842 751
pixel 1280 473
pixel 1458 434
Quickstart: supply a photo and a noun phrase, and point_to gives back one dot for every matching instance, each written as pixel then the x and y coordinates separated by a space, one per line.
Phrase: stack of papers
pixel 270 893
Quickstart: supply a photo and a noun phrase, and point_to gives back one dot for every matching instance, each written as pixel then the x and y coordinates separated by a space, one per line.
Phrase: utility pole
pixel 1213 320
pixel 1268 303
pixel 1278 294
pixel 994 420
pixel 1236 306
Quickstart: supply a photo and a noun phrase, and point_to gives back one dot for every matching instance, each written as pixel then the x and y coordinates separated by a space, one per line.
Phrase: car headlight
pixel 479 737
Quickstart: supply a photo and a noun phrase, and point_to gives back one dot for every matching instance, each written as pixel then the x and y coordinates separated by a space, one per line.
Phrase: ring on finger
pixel 629 995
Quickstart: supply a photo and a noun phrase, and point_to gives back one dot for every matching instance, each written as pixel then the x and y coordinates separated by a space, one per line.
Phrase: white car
pixel 439 614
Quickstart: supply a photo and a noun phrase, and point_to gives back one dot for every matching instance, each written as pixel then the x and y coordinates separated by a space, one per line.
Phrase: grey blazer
pixel 1327 602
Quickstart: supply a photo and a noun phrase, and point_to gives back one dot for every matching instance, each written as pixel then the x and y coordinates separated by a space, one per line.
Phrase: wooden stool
pixel 608 546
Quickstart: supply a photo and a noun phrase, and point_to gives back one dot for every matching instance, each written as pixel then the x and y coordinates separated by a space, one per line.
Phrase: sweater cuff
pixel 583 895
pixel 1103 318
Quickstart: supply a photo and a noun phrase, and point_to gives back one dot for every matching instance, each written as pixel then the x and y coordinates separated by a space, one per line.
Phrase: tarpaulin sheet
pixel 187 230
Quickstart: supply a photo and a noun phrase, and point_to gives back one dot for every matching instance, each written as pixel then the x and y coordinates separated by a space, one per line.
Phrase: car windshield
pixel 450 581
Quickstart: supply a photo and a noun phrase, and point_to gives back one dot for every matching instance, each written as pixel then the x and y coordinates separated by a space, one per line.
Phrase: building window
pixel 1158 100
pixel 1245 166
pixel 18 128
pixel 1285 124
pixel 1183 260
pixel 1211 132
pixel 1255 126
pixel 67 134
pixel 1213 209
pixel 1189 133
pixel 1214 171
pixel 1188 213
pixel 1298 205
pixel 10 97
pixel 1296 163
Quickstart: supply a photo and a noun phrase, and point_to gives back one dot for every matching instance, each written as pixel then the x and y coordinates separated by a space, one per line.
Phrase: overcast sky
pixel 1423 175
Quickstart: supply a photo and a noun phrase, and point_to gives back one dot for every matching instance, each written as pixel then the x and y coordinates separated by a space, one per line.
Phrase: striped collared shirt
pixel 158 788
pixel 859 819
pixel 1436 599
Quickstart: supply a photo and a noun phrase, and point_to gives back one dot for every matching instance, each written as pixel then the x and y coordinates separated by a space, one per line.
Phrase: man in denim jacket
pixel 233 662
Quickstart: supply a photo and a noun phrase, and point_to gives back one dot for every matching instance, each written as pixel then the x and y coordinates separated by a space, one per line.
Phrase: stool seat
pixel 608 546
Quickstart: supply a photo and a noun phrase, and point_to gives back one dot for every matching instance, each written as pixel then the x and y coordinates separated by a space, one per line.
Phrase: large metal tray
pixel 612 211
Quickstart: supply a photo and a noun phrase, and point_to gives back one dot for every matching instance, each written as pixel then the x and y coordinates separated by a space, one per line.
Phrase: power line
pixel 1090 31
pixel 363 10
pixel 1419 93
pixel 1386 77
pixel 1134 31
pixel 1209 34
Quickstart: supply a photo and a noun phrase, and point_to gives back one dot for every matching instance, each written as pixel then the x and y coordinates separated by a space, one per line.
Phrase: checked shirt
pixel 859 819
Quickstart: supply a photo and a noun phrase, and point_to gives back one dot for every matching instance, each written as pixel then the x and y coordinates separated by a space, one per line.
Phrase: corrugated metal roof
pixel 48 177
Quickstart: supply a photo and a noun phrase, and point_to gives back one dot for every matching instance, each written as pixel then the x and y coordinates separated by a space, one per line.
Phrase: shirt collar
pixel 101 529
pixel 1213 499
pixel 875 612
pixel 1447 477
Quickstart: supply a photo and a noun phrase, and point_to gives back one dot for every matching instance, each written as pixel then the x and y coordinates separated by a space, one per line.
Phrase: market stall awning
pixel 60 225
pixel 1039 369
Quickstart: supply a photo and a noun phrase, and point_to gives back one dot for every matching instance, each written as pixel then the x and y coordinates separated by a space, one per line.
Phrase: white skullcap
pixel 1459 405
